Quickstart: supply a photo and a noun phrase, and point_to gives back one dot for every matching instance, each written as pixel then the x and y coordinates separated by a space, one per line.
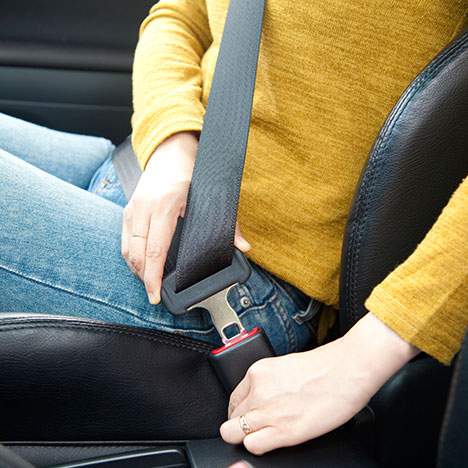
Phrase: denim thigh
pixel 60 254
pixel 71 157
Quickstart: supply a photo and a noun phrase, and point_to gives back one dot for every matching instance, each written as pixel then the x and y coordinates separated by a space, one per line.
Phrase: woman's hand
pixel 294 398
pixel 151 215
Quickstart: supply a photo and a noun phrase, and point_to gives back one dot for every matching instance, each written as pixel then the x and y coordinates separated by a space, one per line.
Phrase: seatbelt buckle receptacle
pixel 232 361
pixel 241 348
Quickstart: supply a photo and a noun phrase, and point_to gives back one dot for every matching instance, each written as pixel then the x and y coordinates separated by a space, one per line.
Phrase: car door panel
pixel 67 65
pixel 89 102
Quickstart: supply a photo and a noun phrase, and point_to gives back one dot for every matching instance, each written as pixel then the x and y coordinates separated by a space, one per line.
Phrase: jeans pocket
pixel 271 318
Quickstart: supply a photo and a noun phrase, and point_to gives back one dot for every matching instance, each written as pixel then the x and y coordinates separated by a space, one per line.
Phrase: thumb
pixel 240 242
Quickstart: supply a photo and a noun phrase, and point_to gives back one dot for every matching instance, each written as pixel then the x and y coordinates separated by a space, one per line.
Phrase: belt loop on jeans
pixel 312 311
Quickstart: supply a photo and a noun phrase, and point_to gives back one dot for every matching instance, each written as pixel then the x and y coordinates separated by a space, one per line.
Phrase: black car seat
pixel 88 385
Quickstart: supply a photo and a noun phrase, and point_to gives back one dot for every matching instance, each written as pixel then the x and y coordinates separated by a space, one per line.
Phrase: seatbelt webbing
pixel 127 168
pixel 207 239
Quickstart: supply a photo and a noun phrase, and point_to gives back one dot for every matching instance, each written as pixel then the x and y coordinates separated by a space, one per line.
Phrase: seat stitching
pixel 172 341
pixel 370 175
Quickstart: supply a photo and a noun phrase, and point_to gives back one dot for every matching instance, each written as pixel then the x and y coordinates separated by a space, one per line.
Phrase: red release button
pixel 237 339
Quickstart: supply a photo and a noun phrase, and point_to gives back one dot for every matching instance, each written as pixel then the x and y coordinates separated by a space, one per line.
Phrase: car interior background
pixel 67 65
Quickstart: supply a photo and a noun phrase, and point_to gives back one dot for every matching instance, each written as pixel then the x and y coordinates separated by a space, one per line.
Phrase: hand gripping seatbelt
pixel 207 265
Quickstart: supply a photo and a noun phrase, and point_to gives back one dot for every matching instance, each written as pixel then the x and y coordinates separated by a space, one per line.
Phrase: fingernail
pixel 153 298
pixel 245 246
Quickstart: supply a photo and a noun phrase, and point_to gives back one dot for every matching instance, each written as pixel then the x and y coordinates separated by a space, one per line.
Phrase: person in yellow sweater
pixel 329 73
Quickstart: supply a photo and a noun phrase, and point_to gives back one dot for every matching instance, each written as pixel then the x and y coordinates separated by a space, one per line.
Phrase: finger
pixel 240 242
pixel 138 238
pixel 265 440
pixel 246 405
pixel 124 243
pixel 239 395
pixel 160 236
pixel 232 432
pixel 241 464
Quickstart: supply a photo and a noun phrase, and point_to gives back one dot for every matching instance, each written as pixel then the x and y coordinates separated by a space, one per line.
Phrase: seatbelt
pixel 127 167
pixel 207 264
pixel 207 242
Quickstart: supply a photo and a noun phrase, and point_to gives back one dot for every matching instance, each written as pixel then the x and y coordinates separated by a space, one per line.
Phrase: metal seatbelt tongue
pixel 222 315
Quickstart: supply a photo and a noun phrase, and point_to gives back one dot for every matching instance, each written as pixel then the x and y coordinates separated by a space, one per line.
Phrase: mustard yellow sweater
pixel 329 73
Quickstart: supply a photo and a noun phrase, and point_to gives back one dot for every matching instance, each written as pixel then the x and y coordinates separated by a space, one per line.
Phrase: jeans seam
pixel 284 316
pixel 275 281
pixel 77 294
pixel 110 152
pixel 243 290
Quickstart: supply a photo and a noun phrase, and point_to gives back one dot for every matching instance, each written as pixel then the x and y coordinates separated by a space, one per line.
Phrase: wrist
pixel 377 351
pixel 178 150
pixel 180 141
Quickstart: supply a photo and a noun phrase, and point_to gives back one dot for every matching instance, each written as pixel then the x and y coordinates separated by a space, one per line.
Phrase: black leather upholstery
pixel 46 455
pixel 339 449
pixel 408 412
pixel 453 448
pixel 74 380
pixel 417 162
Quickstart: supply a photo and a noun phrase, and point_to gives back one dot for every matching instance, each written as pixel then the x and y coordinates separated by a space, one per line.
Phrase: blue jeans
pixel 60 223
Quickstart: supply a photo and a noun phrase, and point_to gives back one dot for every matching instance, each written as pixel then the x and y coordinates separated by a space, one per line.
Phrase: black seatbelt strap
pixel 207 241
pixel 127 168
pixel 207 264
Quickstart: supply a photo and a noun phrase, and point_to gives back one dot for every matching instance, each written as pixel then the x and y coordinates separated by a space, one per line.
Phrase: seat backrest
pixel 453 449
pixel 416 163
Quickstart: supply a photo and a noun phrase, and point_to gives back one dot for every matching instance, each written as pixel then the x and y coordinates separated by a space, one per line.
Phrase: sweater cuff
pixel 148 135
pixel 428 336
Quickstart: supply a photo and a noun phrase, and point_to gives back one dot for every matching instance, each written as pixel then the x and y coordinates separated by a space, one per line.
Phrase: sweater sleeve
pixel 167 78
pixel 425 300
